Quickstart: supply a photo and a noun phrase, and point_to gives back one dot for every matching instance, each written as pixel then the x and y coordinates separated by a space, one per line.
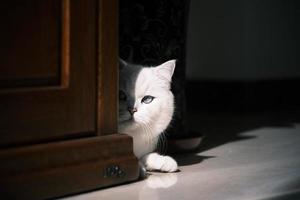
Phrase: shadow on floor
pixel 287 196
pixel 190 158
pixel 221 128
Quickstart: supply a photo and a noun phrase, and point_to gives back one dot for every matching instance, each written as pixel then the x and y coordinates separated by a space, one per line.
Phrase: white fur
pixel 150 120
pixel 154 161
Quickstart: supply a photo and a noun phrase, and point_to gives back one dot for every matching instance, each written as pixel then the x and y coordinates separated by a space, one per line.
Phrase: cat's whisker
pixel 162 144
pixel 146 130
pixel 165 143
pixel 159 144
pixel 150 137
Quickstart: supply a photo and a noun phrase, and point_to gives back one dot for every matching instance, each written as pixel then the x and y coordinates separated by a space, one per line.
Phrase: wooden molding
pixel 68 167
pixel 65 43
pixel 108 92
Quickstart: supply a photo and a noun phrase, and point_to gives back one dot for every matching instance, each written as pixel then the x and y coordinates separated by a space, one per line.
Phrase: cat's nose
pixel 132 110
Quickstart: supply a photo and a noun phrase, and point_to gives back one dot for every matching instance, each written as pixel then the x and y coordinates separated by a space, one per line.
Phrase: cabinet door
pixel 58 85
pixel 47 70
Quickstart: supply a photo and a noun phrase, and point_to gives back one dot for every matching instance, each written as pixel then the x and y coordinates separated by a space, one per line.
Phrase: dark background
pixel 244 55
pixel 243 39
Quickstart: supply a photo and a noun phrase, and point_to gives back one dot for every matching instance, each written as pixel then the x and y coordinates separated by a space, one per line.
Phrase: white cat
pixel 146 107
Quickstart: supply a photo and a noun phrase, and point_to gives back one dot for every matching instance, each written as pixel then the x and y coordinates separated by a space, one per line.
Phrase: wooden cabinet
pixel 58 99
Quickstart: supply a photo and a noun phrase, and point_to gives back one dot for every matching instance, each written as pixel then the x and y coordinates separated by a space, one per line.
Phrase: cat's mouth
pixel 126 123
pixel 127 120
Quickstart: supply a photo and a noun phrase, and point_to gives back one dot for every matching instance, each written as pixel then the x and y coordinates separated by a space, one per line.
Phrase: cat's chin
pixel 127 123
pixel 126 120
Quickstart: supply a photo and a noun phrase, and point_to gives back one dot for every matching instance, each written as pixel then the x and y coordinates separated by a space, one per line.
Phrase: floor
pixel 243 157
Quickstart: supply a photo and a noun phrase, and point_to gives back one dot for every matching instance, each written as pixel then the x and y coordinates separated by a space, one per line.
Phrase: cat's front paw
pixel 156 162
pixel 169 164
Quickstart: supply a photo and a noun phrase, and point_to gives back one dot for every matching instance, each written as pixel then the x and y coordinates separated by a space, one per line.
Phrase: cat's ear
pixel 166 70
pixel 122 64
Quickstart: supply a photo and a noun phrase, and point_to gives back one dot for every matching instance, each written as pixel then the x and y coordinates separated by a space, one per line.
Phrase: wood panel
pixel 108 68
pixel 30 42
pixel 64 52
pixel 57 169
pixel 35 43
pixel 39 155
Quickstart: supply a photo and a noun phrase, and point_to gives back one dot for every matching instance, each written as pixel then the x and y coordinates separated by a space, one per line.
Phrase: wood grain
pixel 65 45
pixel 108 68
pixel 40 113
pixel 61 168
pixel 29 42
pixel 52 137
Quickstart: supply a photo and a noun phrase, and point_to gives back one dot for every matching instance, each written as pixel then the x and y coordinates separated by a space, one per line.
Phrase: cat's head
pixel 145 99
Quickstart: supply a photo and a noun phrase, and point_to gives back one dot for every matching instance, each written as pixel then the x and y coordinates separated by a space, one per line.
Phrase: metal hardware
pixel 113 171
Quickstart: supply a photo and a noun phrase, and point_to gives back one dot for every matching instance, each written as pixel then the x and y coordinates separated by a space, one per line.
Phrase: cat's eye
pixel 147 99
pixel 122 95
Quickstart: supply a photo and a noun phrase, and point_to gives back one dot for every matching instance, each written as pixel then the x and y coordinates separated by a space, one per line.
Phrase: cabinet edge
pixel 65 168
